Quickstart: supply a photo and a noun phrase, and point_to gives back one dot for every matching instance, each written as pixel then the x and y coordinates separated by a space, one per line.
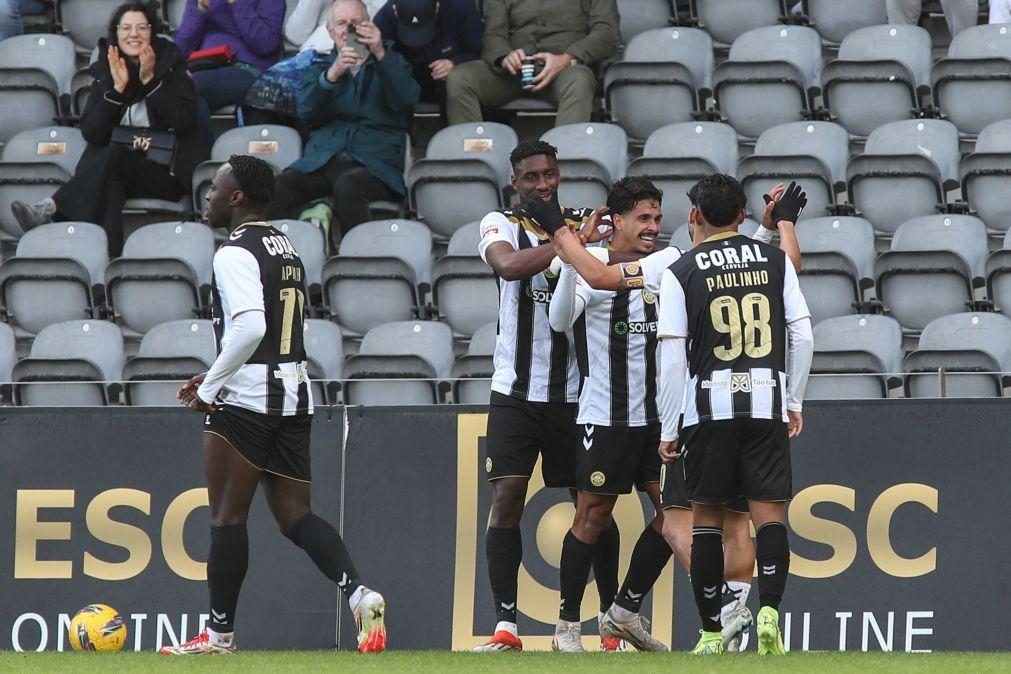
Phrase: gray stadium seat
pixel 400 364
pixel 464 289
pixel 835 20
pixel 163 275
pixel 769 79
pixel 51 53
pixel 971 348
pixel 590 158
pixel 726 20
pixel 375 279
pixel 683 241
pixel 972 86
pixel 677 156
pixel 838 264
pixel 86 20
pixel 279 146
pixel 31 98
pixel 639 16
pixel 881 76
pixel 461 178
pixel 985 176
pixel 80 88
pixel 998 277
pixel 473 371
pixel 60 145
pixel 845 346
pixel 311 246
pixel 933 266
pixel 658 79
pixel 54 277
pixel 169 355
pixel 917 158
pixel 68 364
pixel 324 345
pixel 812 153
pixel 26 181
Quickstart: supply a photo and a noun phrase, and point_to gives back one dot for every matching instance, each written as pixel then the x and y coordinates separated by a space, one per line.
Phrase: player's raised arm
pixel 566 304
pixel 499 246
pixel 781 216
pixel 800 350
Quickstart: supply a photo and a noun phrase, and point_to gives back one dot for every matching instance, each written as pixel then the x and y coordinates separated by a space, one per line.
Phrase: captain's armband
pixel 631 275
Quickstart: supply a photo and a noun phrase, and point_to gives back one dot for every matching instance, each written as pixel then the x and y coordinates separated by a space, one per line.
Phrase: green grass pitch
pixel 416 662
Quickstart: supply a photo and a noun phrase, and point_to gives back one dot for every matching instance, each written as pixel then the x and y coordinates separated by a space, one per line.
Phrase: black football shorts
pixel 614 458
pixel 519 431
pixel 674 493
pixel 274 444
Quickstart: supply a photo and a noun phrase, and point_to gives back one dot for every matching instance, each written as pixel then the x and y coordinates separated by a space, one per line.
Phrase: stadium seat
pixel 464 289
pixel 933 266
pixel 163 275
pixel 400 364
pixel 658 79
pixel 80 88
pixel 985 176
pixel 311 246
pixel 812 153
pixel 174 13
pixel 26 181
pixel 998 277
pixel 972 86
pixel 917 158
pixel 882 75
pixel 769 79
pixel 376 277
pixel 970 348
pixel 462 177
pixel 846 346
pixel 727 20
pixel 169 354
pixel 69 365
pixel 473 371
pixel 51 53
pixel 279 146
pixel 55 276
pixel 639 16
pixel 590 158
pixel 8 356
pixel 677 156
pixel 838 264
pixel 85 21
pixel 835 20
pixel 31 98
pixel 60 145
pixel 324 346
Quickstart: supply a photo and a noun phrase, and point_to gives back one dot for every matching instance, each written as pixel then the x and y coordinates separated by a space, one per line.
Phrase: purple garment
pixel 252 28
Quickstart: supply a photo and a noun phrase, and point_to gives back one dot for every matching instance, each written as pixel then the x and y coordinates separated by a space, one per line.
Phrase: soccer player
pixel 734 320
pixel 535 385
pixel 258 404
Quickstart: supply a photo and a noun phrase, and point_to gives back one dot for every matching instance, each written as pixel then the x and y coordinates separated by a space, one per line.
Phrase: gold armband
pixel 631 275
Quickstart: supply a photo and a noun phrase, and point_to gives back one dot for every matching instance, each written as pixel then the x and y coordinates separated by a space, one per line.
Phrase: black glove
pixel 547 214
pixel 790 205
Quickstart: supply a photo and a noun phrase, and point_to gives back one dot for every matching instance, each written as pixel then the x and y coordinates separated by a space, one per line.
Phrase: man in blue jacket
pixel 358 109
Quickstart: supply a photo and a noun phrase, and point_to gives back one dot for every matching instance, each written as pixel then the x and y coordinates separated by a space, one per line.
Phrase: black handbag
pixel 157 145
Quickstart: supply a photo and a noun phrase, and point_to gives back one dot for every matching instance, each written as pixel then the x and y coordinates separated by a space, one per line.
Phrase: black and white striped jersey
pixel 732 297
pixel 259 269
pixel 616 348
pixel 531 361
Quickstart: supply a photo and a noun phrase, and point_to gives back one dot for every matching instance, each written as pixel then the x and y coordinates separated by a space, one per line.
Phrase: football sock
pixel 649 557
pixel 772 552
pixel 226 569
pixel 504 550
pixel 324 546
pixel 605 564
pixel 577 557
pixel 707 574
pixel 740 589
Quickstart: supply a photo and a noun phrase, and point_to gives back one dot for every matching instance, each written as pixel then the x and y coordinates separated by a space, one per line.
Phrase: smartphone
pixel 355 43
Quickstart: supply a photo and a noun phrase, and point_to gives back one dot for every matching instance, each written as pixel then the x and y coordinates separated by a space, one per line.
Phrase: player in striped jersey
pixel 258 405
pixel 535 385
pixel 733 318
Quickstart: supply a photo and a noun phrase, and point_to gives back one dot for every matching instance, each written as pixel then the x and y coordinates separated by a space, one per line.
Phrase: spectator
pixel 251 29
pixel 960 14
pixel 358 110
pixel 1000 11
pixel 567 41
pixel 306 27
pixel 434 36
pixel 140 81
pixel 11 12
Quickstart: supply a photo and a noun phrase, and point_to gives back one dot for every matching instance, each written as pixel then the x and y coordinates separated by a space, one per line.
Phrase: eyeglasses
pixel 141 28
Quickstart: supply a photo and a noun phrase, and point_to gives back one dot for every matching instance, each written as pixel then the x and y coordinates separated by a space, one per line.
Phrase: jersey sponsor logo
pixel 728 258
pixel 622 328
pixel 489 232
pixel 539 296
pixel 740 382
pixel 278 245
pixel 299 374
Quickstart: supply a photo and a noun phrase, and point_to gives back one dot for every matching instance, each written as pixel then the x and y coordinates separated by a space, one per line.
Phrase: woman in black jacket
pixel 140 81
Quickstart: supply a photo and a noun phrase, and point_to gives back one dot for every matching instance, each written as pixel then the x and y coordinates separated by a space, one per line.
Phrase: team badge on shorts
pixel 487 465
pixel 597 478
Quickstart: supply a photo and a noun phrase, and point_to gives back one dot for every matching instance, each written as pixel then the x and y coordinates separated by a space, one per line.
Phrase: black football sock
pixel 504 550
pixel 649 557
pixel 605 565
pixel 577 558
pixel 324 546
pixel 226 569
pixel 772 552
pixel 707 574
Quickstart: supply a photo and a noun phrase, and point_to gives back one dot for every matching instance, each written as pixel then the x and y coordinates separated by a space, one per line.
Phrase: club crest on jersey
pixel 648 297
pixel 740 382
pixel 597 478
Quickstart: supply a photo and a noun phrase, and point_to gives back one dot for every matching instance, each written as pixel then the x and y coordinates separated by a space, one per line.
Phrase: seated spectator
pixel 565 42
pixel 11 12
pixel 140 81
pixel 434 36
pixel 306 26
pixel 357 105
pixel 1000 11
pixel 959 14
pixel 251 29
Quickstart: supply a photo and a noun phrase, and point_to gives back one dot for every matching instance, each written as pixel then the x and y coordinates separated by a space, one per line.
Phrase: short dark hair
pixel 629 191
pixel 254 177
pixel 532 148
pixel 720 198
pixel 148 9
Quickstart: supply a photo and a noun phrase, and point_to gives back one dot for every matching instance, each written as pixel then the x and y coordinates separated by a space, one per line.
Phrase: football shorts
pixel 274 444
pixel 613 459
pixel 519 431
pixel 674 493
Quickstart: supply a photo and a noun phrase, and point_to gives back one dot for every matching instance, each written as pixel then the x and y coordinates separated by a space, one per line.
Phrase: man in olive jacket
pixel 567 37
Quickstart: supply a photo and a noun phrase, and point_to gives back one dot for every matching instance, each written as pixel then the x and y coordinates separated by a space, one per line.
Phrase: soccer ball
pixel 97 627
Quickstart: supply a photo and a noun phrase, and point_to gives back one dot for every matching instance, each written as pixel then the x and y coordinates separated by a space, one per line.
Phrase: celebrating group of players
pixel 681 373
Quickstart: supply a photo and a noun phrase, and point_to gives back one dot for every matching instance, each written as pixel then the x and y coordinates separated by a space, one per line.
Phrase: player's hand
pixel 553 65
pixel 795 424
pixel 669 451
pixel 513 61
pixel 790 205
pixel 187 395
pixel 547 214
pixel 770 204
pixel 591 232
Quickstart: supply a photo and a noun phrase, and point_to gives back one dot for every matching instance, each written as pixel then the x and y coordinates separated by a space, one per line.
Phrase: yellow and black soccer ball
pixel 97 627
